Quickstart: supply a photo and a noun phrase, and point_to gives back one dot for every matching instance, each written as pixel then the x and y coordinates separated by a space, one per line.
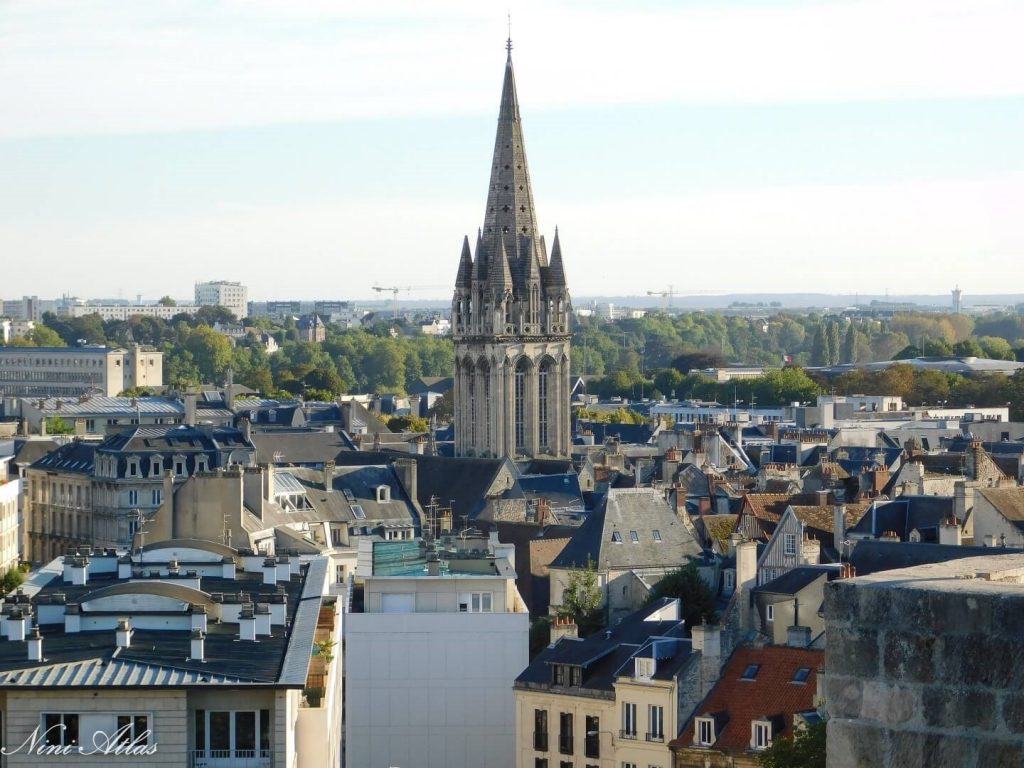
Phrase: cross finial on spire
pixel 508 42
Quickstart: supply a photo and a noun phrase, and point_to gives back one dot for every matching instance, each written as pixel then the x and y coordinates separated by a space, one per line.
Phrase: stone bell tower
pixel 510 315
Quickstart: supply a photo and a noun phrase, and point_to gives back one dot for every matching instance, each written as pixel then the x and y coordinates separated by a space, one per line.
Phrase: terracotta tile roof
pixel 771 694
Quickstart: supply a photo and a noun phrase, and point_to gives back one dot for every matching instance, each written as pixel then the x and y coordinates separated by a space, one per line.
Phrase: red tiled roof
pixel 771 694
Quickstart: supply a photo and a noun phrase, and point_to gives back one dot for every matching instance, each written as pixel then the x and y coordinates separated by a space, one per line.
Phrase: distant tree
pixel 210 315
pixel 11 580
pixel 581 599
pixel 137 392
pixel 909 352
pixel 167 301
pixel 849 354
pixel 55 425
pixel 443 408
pixel 806 749
pixel 968 348
pixel 819 347
pixel 46 337
pixel 936 348
pixel 698 361
pixel 408 424
pixel 833 344
pixel 695 596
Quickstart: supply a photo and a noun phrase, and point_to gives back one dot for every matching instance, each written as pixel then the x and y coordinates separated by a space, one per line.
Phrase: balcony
pixel 565 744
pixel 659 737
pixel 540 741
pixel 232 758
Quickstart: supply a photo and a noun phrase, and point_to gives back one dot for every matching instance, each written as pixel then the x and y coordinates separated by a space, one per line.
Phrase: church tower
pixel 510 315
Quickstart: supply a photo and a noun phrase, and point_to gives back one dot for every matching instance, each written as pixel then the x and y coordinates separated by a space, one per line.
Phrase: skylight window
pixel 634 537
pixel 657 535
pixel 750 673
pixel 357 512
pixel 616 537
pixel 348 496
pixel 801 675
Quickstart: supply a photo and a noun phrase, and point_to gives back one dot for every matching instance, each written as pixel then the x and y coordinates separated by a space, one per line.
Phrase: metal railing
pixel 627 735
pixel 235 758
pixel 655 736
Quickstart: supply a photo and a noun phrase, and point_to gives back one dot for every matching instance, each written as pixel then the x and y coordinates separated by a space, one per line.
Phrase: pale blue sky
pixel 313 148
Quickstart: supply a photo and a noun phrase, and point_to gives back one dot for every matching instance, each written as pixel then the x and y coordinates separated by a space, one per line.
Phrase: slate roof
pixel 605 538
pixel 31 451
pixel 1008 502
pixel 77 457
pixel 772 694
pixel 870 555
pixel 96 405
pixel 160 658
pixel 904 514
pixel 796 579
pixel 604 654
pixel 462 481
pixel 637 434
pixel 300 447
pixel 173 439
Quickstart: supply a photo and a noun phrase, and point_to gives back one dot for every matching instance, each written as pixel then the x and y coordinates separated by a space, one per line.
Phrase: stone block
pixel 1013 712
pixel 842 603
pixel 953 707
pixel 982 660
pixel 958 613
pixel 1000 754
pixel 844 695
pixel 852 652
pixel 909 657
pixel 1008 620
pixel 889 704
pixel 855 745
pixel 916 748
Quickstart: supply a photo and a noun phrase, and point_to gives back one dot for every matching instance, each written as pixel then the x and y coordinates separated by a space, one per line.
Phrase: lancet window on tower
pixel 520 404
pixel 542 403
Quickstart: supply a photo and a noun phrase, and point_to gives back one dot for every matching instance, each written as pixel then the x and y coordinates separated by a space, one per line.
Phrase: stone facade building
pixel 510 316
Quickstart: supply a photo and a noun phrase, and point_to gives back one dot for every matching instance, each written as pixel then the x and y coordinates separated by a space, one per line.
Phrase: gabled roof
pixel 77 456
pixel 797 579
pixel 904 514
pixel 606 537
pixel 299 447
pixel 1008 502
pixel 603 654
pixel 819 521
pixel 771 694
pixel 31 451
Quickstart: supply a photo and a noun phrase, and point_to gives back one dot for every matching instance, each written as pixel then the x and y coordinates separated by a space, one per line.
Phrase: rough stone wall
pixel 925 671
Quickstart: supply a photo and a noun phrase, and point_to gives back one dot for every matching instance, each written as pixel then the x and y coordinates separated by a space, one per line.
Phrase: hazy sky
pixel 312 148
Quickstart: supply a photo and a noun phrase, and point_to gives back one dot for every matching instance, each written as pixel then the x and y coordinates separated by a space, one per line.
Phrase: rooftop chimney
pixel 247 623
pixel 190 409
pixel 949 532
pixel 329 476
pixel 262 614
pixel 197 645
pixel 123 633
pixel 76 570
pixel 707 638
pixel 35 646
pixel 839 527
pixel 270 571
pixel 198 614
pixel 228 565
pixel 17 625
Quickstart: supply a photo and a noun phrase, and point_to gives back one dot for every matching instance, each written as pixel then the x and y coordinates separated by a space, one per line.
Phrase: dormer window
pixel 383 494
pixel 643 668
pixel 179 466
pixel 133 468
pixel 156 466
pixel 760 734
pixel 201 464
pixel 704 731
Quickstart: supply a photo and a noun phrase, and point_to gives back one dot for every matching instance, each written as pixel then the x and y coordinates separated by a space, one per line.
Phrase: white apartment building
pixel 74 371
pixel 435 636
pixel 10 529
pixel 124 311
pixel 221 293
pixel 186 653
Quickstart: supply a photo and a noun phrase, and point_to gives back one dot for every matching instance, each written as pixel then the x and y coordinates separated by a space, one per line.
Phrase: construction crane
pixel 666 297
pixel 394 296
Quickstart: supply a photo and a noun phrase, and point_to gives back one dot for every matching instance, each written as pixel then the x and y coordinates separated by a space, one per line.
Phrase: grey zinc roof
pixel 622 512
pixel 103 406
pixel 113 672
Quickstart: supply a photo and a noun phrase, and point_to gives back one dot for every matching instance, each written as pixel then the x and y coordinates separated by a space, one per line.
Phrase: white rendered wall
pixel 432 690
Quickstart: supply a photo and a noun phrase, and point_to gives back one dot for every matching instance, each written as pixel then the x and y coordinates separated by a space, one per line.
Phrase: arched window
pixel 471 386
pixel 485 404
pixel 542 402
pixel 520 403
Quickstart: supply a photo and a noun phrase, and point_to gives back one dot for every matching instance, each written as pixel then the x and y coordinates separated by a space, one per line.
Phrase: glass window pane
pixel 220 730
pixel 51 725
pixel 140 733
pixel 201 730
pixel 245 730
pixel 71 730
pixel 265 729
pixel 124 731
